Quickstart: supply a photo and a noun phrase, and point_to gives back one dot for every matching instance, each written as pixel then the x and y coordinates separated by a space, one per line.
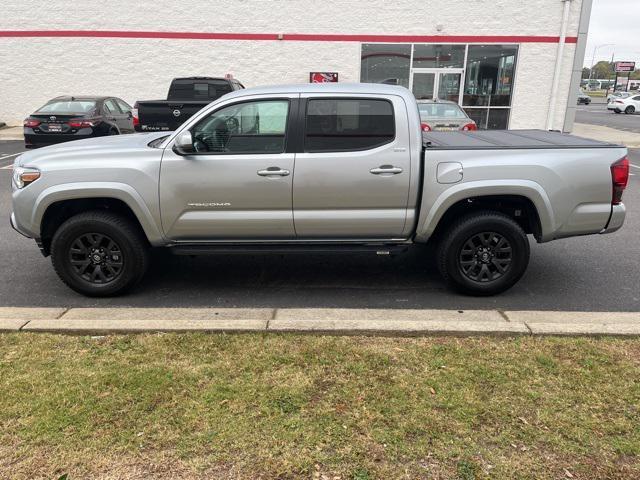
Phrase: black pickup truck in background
pixel 186 96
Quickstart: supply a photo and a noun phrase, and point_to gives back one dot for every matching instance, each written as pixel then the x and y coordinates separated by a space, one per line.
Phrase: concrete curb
pixel 392 322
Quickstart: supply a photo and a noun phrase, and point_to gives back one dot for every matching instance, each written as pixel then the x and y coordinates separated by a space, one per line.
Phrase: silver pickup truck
pixel 314 168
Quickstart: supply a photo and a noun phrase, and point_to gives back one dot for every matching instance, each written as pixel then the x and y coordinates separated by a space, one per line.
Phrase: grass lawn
pixel 288 407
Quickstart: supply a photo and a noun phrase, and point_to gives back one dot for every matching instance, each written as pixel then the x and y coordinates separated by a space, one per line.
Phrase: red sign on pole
pixel 623 67
pixel 323 77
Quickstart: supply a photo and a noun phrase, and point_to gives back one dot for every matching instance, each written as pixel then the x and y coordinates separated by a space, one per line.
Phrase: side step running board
pixel 225 249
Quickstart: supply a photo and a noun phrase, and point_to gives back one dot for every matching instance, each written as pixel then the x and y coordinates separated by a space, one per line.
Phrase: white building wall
pixel 33 70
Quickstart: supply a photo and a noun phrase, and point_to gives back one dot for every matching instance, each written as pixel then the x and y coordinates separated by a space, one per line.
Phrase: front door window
pixel 250 127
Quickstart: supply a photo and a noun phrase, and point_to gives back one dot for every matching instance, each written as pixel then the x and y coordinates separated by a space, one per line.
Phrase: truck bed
pixel 508 139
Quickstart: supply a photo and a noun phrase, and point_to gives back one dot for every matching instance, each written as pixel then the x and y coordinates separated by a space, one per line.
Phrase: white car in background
pixel 618 96
pixel 627 105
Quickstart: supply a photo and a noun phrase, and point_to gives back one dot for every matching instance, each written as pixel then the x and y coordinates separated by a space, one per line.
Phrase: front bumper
pixel 618 214
pixel 14 225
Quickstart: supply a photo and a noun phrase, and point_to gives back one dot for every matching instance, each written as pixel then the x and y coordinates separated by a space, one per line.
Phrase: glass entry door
pixel 432 83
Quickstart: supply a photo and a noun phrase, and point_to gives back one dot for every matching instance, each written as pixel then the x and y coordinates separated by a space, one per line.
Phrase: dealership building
pixel 510 64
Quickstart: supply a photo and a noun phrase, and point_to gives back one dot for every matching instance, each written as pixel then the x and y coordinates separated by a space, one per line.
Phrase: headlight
pixel 23 176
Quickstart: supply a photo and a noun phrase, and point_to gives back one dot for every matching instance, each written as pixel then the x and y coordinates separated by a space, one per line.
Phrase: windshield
pixel 440 110
pixel 68 106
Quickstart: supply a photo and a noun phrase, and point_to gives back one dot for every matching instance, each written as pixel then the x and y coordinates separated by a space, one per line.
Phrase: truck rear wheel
pixel 99 253
pixel 484 253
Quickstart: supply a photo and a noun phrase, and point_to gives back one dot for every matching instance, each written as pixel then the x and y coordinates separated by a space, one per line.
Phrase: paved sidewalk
pixel 11 133
pixel 606 134
pixel 318 321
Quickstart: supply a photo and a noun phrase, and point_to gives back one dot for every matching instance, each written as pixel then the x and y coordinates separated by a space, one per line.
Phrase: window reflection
pixel 489 76
pixel 438 56
pixel 385 63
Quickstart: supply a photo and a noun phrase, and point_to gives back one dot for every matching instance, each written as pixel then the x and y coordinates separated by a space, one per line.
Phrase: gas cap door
pixel 449 172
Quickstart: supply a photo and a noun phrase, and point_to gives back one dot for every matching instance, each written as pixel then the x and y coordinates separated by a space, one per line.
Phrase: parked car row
pixel 68 118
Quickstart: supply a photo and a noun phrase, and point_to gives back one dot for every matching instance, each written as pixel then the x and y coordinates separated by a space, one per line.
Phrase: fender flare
pixel 523 188
pixel 119 191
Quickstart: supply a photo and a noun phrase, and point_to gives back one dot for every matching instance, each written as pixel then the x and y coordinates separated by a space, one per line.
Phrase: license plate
pixel 55 128
pixel 447 129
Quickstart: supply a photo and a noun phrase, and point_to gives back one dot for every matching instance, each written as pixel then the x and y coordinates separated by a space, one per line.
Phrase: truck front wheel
pixel 484 253
pixel 99 253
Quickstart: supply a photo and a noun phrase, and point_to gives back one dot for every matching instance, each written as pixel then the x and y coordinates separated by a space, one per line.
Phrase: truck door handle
pixel 273 171
pixel 386 170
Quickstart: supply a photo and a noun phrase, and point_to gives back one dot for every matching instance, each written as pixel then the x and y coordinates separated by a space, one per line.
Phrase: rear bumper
pixel 618 214
pixel 43 139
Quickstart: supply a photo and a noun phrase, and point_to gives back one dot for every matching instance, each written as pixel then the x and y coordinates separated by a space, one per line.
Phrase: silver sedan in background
pixel 443 115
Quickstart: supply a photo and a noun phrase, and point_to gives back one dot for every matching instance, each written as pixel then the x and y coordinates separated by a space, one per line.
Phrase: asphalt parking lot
pixel 594 273
pixel 597 114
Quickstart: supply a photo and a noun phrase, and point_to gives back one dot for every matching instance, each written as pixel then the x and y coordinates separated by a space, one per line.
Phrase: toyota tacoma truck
pixel 314 168
pixel 186 97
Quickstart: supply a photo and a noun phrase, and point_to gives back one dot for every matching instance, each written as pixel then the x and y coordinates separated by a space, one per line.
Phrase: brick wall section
pixel 36 69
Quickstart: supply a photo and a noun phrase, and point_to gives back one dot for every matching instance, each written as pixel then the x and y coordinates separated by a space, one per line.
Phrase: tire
pixel 460 255
pixel 630 110
pixel 113 131
pixel 617 111
pixel 80 253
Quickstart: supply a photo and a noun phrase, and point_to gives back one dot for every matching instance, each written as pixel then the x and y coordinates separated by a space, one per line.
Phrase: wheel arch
pixel 55 207
pixel 528 205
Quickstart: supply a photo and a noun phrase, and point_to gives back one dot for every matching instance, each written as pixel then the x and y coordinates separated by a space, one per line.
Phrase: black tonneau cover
pixel 501 139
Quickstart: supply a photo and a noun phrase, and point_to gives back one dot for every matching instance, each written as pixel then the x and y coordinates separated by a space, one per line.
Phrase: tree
pixel 635 75
pixel 603 70
pixel 586 72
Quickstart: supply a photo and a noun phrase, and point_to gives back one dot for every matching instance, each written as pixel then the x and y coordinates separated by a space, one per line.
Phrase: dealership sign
pixel 625 67
pixel 323 77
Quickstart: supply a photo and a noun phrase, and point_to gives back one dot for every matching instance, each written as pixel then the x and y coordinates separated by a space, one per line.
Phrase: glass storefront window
pixel 489 75
pixel 385 63
pixel 438 56
pixel 489 118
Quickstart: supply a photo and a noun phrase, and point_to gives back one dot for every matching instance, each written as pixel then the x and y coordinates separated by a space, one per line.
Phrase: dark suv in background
pixel 76 117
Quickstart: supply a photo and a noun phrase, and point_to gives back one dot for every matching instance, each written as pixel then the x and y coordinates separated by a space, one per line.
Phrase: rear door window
pixel 112 106
pixel 334 125
pixel 124 106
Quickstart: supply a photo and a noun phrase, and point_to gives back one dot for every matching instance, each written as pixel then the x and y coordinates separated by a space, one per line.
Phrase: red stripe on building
pixel 294 37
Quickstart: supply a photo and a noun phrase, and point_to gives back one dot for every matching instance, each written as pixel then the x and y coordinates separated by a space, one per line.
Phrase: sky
pixel 615 22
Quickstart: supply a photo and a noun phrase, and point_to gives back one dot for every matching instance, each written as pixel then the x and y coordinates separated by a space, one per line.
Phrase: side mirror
pixel 184 144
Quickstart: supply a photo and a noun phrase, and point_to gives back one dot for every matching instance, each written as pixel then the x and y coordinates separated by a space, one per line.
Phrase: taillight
pixel 619 101
pixel 425 127
pixel 29 122
pixel 619 179
pixel 470 127
pixel 134 112
pixel 78 123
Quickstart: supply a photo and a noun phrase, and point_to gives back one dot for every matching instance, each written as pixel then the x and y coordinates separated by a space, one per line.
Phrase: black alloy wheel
pixel 96 258
pixel 100 253
pixel 483 253
pixel 485 257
